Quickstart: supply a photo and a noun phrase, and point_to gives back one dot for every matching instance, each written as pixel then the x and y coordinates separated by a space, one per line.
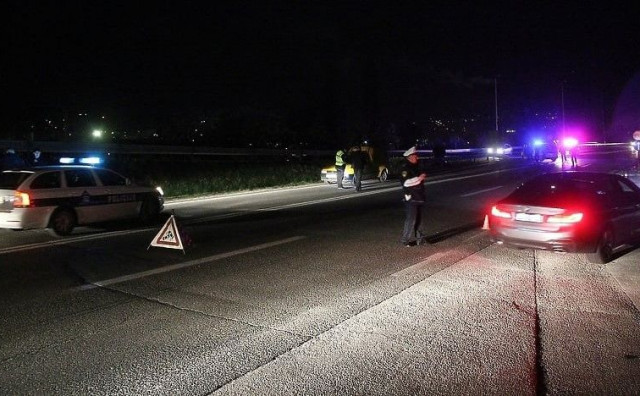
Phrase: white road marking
pixel 173 267
pixel 68 240
pixel 183 201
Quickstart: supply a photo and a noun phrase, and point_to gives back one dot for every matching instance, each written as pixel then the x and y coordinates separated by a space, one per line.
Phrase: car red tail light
pixel 495 211
pixel 567 218
pixel 21 200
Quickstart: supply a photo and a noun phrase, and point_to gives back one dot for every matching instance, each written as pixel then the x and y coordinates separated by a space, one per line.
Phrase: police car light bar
pixel 90 160
pixel 83 160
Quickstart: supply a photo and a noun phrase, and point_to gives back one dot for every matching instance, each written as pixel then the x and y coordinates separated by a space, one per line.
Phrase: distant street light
pixel 97 134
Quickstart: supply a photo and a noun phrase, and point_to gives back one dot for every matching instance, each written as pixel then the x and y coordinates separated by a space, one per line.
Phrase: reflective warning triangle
pixel 168 237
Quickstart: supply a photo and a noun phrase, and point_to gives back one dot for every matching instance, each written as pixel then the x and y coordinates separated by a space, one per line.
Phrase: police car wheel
pixel 62 222
pixel 149 210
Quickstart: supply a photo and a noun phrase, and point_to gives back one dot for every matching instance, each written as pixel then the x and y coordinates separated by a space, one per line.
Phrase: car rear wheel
pixel 62 222
pixel 604 250
pixel 384 175
pixel 149 210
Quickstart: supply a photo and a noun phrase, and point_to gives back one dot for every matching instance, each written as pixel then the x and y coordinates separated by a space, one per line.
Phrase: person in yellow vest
pixel 341 163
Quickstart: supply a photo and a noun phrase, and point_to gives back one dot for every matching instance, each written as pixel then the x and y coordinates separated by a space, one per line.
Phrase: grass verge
pixel 197 178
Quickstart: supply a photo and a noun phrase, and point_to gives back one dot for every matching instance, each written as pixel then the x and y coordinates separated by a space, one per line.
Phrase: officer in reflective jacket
pixel 412 179
pixel 340 165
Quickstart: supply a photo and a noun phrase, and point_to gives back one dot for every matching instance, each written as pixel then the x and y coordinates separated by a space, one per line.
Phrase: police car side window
pixel 79 178
pixel 109 178
pixel 46 180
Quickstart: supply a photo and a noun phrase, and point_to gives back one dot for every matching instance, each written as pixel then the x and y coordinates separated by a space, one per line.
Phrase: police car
pixel 60 197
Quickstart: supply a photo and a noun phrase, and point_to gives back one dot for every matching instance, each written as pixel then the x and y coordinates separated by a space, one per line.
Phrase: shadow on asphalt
pixel 446 234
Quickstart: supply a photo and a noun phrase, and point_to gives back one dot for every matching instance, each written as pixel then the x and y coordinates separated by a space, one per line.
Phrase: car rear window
pixel 46 180
pixel 549 190
pixel 11 180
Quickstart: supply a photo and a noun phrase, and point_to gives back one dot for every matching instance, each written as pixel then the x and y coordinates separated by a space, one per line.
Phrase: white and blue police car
pixel 59 197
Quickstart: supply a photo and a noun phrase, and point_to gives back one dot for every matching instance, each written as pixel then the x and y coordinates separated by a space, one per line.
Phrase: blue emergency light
pixel 81 160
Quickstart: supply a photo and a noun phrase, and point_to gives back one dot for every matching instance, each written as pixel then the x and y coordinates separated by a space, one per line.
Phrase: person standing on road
pixel 358 161
pixel 571 144
pixel 574 155
pixel 412 180
pixel 563 151
pixel 340 165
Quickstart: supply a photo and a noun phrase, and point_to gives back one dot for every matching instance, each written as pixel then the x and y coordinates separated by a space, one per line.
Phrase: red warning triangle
pixel 168 237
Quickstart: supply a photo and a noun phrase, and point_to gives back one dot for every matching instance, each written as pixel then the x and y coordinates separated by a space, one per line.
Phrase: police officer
pixel 340 165
pixel 412 179
pixel 358 160
pixel 574 155
pixel 563 151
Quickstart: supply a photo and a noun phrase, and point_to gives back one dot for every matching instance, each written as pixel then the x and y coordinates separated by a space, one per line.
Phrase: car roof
pixel 49 167
pixel 577 176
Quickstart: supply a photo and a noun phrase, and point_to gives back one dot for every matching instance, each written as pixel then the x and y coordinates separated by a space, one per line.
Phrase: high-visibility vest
pixel 339 160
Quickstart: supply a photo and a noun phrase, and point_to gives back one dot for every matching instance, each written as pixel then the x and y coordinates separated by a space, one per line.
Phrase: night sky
pixel 328 62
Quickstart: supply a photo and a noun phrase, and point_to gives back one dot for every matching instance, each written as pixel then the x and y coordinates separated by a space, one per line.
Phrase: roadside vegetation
pixel 201 177
pixel 189 177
